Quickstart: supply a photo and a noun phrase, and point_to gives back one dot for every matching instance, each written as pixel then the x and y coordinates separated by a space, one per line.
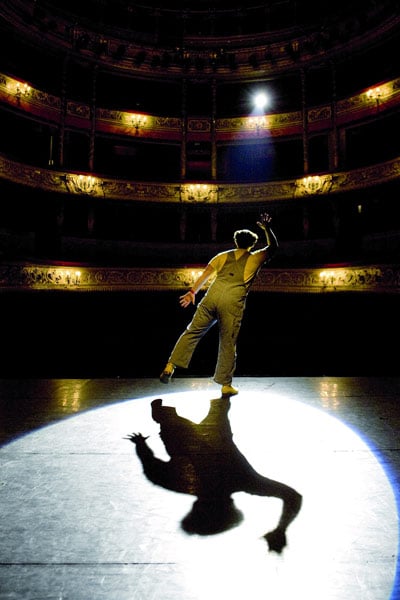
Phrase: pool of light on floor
pixel 342 546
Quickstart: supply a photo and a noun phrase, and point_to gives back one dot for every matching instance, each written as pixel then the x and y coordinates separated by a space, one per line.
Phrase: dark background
pixel 130 334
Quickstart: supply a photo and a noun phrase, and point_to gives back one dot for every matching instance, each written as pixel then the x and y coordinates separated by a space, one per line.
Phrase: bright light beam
pixel 261 100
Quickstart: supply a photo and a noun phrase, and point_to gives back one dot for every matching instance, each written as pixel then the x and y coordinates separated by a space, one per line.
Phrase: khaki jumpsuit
pixel 223 303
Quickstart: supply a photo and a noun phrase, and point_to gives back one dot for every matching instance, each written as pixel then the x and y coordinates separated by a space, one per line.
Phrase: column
pixel 305 122
pixel 184 129
pixel 333 138
pixel 93 119
pixel 63 113
pixel 91 216
pixel 214 209
pixel 183 211
pixel 213 132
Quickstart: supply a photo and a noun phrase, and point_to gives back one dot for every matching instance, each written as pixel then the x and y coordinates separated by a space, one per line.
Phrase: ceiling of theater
pixel 218 17
pixel 170 38
pixel 222 23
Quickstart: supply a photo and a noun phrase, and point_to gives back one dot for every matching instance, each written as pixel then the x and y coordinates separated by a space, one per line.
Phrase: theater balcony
pixel 132 148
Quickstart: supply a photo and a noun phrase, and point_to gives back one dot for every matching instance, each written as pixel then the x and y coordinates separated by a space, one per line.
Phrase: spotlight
pixel 260 100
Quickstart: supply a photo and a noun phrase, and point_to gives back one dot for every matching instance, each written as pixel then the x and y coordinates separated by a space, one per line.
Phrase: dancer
pixel 224 302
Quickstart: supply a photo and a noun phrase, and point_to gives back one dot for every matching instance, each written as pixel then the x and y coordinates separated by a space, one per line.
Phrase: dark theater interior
pixel 136 138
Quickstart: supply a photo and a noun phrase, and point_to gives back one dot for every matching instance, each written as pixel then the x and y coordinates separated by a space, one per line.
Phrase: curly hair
pixel 244 238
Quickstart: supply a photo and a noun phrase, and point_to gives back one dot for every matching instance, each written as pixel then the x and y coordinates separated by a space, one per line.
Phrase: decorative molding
pixel 314 185
pixel 85 185
pixel 246 127
pixel 371 278
pixel 199 125
pixel 34 277
pixel 119 189
pixel 199 193
pixel 39 103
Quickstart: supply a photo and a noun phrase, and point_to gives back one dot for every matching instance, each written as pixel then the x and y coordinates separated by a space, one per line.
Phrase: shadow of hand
pixel 276 540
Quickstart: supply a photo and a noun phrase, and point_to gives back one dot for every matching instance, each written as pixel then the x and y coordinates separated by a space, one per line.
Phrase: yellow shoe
pixel 167 373
pixel 228 390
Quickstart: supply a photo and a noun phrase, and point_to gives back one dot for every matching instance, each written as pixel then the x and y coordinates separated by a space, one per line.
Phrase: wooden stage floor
pixel 83 518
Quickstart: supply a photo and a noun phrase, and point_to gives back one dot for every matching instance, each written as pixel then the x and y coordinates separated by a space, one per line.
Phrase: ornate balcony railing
pixel 46 277
pixel 89 185
pixel 78 115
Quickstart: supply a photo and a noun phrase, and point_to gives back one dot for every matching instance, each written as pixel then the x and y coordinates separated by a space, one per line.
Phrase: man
pixel 234 272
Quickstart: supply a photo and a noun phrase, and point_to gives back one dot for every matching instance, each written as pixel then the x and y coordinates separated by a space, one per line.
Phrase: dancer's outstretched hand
pixel 265 220
pixel 186 299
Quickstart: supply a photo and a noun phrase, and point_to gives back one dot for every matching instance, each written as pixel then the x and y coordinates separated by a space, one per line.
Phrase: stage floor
pixel 82 520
